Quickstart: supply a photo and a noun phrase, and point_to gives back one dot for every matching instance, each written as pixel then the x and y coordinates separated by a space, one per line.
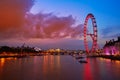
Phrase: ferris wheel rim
pixel 93 35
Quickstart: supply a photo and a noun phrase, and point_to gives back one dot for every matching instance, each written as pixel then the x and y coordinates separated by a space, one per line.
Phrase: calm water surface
pixel 58 67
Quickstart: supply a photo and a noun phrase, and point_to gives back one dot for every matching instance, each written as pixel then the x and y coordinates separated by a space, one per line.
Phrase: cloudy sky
pixel 56 23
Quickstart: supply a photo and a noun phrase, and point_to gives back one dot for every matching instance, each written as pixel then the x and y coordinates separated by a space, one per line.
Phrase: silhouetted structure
pixel 17 50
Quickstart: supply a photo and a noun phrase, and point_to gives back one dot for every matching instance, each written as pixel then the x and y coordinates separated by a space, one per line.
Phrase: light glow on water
pixel 58 67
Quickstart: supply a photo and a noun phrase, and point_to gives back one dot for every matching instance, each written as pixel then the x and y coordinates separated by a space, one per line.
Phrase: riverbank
pixel 112 57
pixel 19 55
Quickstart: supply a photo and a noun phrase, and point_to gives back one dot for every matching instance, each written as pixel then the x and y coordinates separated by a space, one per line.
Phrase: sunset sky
pixel 56 23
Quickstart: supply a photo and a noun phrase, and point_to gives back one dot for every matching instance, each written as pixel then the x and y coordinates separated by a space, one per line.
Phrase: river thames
pixel 58 67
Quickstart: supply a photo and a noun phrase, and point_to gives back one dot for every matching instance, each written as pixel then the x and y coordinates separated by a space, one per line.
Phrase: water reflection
pixel 56 67
pixel 50 63
pixel 87 71
pixel 2 61
pixel 118 62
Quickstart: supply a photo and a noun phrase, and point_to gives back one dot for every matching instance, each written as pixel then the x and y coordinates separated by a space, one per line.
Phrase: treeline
pixel 18 50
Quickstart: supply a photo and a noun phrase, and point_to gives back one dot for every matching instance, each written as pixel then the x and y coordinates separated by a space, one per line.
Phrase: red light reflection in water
pixel 87 72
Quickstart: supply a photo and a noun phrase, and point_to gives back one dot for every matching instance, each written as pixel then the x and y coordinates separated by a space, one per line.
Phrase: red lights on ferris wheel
pixel 92 35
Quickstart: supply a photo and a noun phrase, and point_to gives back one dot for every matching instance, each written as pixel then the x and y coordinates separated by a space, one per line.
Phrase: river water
pixel 58 67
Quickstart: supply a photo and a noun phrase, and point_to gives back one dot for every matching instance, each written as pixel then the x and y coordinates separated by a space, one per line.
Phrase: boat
pixel 83 59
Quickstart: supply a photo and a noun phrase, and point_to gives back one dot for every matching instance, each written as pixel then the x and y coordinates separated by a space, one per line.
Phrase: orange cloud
pixel 12 14
pixel 50 26
pixel 17 22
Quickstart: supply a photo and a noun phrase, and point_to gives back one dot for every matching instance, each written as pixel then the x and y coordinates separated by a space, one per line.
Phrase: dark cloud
pixel 112 35
pixel 111 32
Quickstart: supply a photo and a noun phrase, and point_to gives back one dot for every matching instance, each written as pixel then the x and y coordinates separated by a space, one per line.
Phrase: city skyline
pixel 60 17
